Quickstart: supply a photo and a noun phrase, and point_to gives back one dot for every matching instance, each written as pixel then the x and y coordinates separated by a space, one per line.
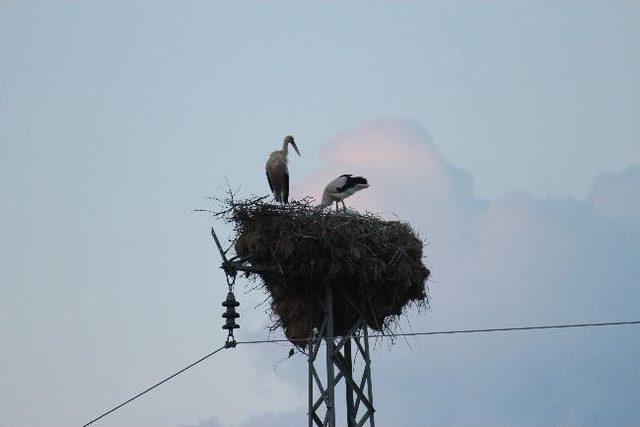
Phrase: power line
pixel 519 328
pixel 463 331
pixel 155 385
pixel 391 335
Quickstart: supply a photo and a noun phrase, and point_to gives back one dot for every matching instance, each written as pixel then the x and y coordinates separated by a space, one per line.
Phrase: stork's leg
pixel 337 206
pixel 344 208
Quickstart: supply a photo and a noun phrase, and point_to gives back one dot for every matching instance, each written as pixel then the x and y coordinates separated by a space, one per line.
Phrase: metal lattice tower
pixel 339 356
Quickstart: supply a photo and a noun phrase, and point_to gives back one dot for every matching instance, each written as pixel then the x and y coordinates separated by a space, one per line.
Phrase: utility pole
pixel 339 365
pixel 339 354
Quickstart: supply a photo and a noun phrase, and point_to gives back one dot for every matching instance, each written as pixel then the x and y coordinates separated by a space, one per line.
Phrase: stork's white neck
pixel 285 147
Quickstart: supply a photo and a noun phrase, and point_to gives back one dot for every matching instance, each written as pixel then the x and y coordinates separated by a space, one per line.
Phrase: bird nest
pixel 374 266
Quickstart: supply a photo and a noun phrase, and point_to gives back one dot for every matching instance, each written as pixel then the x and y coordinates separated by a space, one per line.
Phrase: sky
pixel 506 133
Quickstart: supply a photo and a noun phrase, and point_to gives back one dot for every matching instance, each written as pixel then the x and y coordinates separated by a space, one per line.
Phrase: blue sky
pixel 117 119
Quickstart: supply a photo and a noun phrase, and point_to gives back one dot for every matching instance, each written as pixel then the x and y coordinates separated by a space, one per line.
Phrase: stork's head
pixel 289 140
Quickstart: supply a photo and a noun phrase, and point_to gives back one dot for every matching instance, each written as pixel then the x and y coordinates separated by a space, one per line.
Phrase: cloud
pixel 618 195
pixel 516 260
pixel 475 245
pixel 407 175
pixel 402 164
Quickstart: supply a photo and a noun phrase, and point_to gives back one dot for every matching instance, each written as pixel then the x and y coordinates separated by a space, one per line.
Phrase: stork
pixel 278 172
pixel 341 188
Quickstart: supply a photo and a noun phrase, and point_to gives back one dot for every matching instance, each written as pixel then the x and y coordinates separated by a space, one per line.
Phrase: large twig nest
pixel 375 266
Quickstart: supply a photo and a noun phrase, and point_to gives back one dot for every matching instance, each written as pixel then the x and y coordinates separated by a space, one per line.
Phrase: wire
pixel 463 331
pixel 155 385
pixel 450 332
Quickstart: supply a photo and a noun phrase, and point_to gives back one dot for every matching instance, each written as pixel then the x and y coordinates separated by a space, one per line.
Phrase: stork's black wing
pixel 285 190
pixel 269 180
pixel 351 181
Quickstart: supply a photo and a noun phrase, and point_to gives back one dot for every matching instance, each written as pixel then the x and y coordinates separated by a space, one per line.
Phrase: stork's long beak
pixel 295 147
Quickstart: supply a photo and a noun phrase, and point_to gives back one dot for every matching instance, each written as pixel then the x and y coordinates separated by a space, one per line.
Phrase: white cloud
pixel 517 260
pixel 618 195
